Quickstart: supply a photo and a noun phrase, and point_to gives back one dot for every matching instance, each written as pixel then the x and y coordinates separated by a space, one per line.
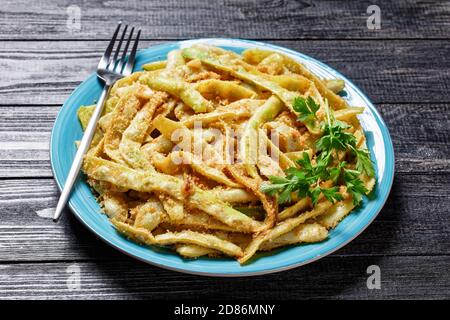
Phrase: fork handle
pixel 83 147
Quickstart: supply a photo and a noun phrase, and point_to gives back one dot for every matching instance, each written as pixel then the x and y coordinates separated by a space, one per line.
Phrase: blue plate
pixel 83 204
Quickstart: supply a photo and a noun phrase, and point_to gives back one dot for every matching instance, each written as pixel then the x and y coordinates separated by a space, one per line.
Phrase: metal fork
pixel 110 69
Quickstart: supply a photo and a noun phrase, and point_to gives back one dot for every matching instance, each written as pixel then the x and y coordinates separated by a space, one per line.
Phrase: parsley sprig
pixel 307 109
pixel 354 185
pixel 336 138
pixel 306 180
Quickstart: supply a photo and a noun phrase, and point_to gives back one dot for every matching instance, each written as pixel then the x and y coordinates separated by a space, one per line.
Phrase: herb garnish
pixel 307 109
pixel 335 138
pixel 305 181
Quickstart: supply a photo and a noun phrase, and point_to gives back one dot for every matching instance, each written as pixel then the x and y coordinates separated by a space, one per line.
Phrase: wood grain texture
pixel 268 19
pixel 28 234
pixel 25 134
pixel 332 277
pixel 387 71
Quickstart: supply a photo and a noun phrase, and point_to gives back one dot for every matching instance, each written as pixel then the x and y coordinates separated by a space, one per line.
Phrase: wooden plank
pixel 332 277
pixel 25 134
pixel 421 136
pixel 172 19
pixel 24 140
pixel 37 72
pixel 28 233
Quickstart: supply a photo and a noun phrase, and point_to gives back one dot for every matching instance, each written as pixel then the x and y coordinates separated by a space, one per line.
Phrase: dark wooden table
pixel 403 67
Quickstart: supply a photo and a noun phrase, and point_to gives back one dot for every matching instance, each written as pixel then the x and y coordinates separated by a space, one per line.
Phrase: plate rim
pixel 229 41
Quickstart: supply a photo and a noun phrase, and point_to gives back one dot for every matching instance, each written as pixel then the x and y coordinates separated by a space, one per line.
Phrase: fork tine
pixel 130 63
pixel 124 53
pixel 113 61
pixel 105 59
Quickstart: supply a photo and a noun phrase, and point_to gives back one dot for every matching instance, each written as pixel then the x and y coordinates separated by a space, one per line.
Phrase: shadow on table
pixel 340 275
